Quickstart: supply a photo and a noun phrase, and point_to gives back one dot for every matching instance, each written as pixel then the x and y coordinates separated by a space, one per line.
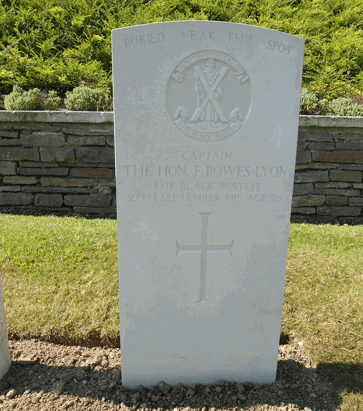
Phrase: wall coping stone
pixel 7 116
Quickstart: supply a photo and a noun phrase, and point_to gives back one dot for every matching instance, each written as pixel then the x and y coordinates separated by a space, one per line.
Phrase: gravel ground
pixel 46 376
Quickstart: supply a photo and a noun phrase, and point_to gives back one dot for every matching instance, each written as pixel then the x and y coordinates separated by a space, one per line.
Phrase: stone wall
pixel 63 163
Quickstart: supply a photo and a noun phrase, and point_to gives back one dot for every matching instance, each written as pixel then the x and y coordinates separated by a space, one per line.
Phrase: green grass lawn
pixel 60 283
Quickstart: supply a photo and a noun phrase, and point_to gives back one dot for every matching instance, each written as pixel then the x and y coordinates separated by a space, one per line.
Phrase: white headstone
pixel 5 360
pixel 206 121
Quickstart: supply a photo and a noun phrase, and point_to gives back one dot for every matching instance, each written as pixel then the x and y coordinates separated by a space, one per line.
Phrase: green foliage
pixel 83 98
pixel 33 99
pixel 308 101
pixel 341 107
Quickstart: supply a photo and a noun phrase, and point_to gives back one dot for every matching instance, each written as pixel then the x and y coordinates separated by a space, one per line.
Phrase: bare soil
pixel 46 376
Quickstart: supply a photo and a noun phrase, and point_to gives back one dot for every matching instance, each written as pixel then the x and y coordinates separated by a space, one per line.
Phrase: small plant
pixel 341 106
pixel 83 98
pixel 33 99
pixel 308 101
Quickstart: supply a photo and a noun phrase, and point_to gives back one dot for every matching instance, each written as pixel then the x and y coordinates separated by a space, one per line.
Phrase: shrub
pixel 83 98
pixel 308 101
pixel 33 99
pixel 341 106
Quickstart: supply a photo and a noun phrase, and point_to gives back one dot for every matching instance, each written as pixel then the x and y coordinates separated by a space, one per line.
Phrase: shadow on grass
pixel 92 384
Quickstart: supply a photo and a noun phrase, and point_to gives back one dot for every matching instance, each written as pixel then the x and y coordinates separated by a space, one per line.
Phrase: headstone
pixel 5 360
pixel 206 121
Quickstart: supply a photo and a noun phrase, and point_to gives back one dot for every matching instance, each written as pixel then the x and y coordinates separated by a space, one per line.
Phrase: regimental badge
pixel 209 96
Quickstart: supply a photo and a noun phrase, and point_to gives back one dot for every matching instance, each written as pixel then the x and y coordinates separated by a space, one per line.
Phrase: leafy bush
pixel 341 107
pixel 83 98
pixel 308 101
pixel 33 99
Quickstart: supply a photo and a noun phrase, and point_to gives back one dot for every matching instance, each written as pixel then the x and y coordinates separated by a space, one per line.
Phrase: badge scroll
pixel 209 96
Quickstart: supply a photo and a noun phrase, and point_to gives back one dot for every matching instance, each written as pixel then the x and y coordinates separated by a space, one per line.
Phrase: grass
pixel 60 274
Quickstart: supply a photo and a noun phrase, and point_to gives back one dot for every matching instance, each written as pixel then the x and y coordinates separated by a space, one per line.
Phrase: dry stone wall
pixel 63 163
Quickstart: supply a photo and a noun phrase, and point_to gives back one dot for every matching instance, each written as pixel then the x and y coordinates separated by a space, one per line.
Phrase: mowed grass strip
pixel 60 282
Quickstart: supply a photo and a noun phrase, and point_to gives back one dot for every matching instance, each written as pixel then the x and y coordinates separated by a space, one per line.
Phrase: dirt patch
pixel 47 376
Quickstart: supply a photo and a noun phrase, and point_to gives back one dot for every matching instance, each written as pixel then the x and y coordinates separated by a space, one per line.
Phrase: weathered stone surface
pixel 107 183
pixel 43 171
pixel 10 153
pixel 86 141
pixel 321 146
pixel 356 201
pixel 65 154
pixel 10 188
pixel 48 200
pixel 94 172
pixel 9 142
pixel 303 156
pixel 351 135
pixel 7 168
pixel 9 134
pixel 333 185
pixel 301 189
pixel 308 201
pixel 345 157
pixel 352 166
pixel 20 180
pixel 99 200
pixel 87 165
pixel 336 200
pixel 303 210
pixel 43 138
pixel 77 190
pixel 95 154
pixel 89 130
pixel 358 185
pixel 340 175
pixel 110 141
pixel 67 182
pixel 311 176
pixel 41 164
pixel 339 211
pixel 318 166
pixel 350 145
pixel 307 133
pixel 15 198
pixel 94 210
pixel 333 192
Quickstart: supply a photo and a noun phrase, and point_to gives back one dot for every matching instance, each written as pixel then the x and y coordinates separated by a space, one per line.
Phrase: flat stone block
pixel 341 175
pixel 339 211
pixel 352 166
pixel 303 156
pixel 5 361
pixel 356 201
pixel 317 145
pixel 338 192
pixel 67 182
pixel 92 200
pixel 7 168
pixel 110 141
pixel 95 154
pixel 10 188
pixel 303 210
pixel 88 165
pixel 308 201
pixel 43 138
pixel 94 210
pixel 311 176
pixel 67 190
pixel 351 145
pixel 34 164
pixel 301 189
pixel 9 134
pixel 357 185
pixel 9 142
pixel 336 200
pixel 48 200
pixel 95 172
pixel 309 134
pixel 15 198
pixel 333 185
pixel 43 171
pixel 346 157
pixel 65 154
pixel 86 141
pixel 11 153
pixel 20 180
pixel 89 130
pixel 351 135
pixel 318 166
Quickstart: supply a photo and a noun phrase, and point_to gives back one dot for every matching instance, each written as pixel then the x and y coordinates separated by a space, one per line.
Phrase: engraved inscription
pixel 209 96
pixel 240 38
pixel 280 47
pixel 204 248
pixel 144 39
pixel 198 35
